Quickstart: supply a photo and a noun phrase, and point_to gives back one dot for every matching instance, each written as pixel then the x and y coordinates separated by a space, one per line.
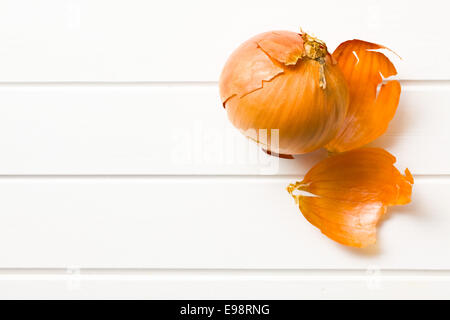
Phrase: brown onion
pixel 285 81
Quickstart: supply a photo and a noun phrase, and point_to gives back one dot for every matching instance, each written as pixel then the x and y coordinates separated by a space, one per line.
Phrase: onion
pixel 285 81
pixel 349 192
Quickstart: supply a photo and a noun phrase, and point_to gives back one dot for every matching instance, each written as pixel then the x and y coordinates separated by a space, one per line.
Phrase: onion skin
pixel 275 81
pixel 369 113
pixel 352 192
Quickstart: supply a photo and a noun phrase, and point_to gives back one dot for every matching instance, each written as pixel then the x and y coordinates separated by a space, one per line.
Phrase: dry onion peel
pixel 289 82
pixel 351 192
pixel 369 111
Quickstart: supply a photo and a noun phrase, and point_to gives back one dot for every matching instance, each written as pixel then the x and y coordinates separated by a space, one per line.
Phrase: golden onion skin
pixel 352 191
pixel 372 105
pixel 271 82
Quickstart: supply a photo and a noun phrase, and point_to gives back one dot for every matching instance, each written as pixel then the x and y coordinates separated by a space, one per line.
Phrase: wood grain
pixel 222 284
pixel 181 130
pixel 202 222
pixel 139 40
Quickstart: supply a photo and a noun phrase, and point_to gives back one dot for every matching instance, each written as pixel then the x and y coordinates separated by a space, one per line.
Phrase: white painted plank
pixel 226 284
pixel 139 40
pixel 178 129
pixel 202 222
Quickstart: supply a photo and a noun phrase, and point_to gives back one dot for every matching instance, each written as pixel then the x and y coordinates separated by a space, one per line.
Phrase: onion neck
pixel 316 49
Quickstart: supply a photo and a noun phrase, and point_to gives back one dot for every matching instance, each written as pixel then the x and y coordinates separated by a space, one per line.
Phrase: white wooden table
pixel 120 176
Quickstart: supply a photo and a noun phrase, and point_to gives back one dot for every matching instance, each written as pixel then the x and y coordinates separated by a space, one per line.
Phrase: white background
pixel 120 176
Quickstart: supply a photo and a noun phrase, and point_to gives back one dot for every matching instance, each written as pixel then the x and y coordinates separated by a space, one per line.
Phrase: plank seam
pixel 225 272
pixel 404 82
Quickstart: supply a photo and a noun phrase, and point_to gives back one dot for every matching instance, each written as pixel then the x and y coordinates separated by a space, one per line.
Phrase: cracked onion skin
pixel 285 81
pixel 370 110
pixel 351 192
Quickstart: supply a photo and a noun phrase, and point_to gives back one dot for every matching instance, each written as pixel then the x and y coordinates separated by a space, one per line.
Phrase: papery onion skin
pixel 352 190
pixel 369 112
pixel 284 81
